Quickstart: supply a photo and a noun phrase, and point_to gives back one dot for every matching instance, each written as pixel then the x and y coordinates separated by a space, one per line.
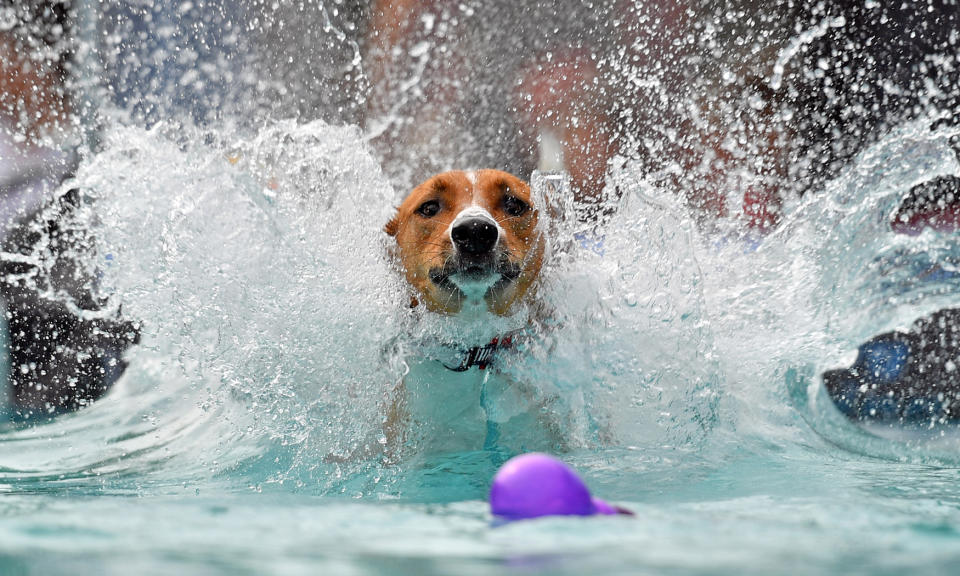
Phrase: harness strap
pixel 483 356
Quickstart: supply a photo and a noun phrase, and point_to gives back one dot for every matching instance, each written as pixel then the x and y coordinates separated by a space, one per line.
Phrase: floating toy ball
pixel 532 485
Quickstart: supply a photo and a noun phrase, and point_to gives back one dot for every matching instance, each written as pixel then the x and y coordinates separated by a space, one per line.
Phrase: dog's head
pixel 469 238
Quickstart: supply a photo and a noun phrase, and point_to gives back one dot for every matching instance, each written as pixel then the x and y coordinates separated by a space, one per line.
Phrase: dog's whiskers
pixel 416 242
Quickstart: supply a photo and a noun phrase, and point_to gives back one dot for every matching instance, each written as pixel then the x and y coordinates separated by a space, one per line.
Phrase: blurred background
pixel 732 105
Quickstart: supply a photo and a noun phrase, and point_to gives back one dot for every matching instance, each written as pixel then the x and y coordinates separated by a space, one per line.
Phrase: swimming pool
pixel 689 368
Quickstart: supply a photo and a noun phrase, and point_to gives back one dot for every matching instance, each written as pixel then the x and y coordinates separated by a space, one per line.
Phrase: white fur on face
pixel 472 179
pixel 474 211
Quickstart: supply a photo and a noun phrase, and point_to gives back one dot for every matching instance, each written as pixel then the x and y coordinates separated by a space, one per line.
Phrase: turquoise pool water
pixel 687 363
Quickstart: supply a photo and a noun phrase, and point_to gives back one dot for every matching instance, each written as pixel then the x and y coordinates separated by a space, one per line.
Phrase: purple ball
pixel 532 485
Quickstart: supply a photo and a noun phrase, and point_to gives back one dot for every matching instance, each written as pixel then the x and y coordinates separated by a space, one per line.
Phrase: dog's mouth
pixel 491 275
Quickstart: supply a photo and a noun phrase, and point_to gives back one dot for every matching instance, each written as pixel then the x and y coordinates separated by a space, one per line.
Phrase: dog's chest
pixel 470 410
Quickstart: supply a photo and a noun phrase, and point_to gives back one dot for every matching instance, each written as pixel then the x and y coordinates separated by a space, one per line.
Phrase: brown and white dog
pixel 469 241
pixel 471 246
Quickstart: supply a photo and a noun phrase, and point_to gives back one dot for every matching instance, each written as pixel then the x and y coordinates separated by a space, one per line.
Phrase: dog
pixel 471 247
pixel 469 241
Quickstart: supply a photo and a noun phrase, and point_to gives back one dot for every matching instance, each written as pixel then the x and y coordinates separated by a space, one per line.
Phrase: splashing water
pixel 259 273
pixel 254 312
pixel 247 433
pixel 266 301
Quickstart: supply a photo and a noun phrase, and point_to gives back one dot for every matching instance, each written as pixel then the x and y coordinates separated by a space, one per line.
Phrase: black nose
pixel 475 236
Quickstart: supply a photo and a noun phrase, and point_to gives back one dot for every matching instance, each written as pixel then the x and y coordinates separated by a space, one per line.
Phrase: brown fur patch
pixel 424 243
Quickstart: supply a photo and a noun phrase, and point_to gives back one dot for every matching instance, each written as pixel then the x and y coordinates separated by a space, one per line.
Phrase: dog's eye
pixel 429 208
pixel 514 206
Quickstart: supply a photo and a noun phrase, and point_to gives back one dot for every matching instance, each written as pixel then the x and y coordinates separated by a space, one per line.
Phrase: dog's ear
pixel 392 226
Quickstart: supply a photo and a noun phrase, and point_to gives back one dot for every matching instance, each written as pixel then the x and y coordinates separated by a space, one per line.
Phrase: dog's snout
pixel 475 236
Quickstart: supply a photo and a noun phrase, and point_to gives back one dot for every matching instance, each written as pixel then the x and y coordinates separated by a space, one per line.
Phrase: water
pixel 683 360
pixel 239 439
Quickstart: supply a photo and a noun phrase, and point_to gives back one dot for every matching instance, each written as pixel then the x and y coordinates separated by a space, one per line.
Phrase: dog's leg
pixel 396 423
pixel 522 417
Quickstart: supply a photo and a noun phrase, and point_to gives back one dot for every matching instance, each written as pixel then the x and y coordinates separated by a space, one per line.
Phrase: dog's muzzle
pixel 475 237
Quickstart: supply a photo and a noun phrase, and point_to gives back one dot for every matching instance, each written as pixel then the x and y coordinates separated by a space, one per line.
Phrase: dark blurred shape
pixel 904 377
pixel 910 377
pixel 64 348
pixel 59 359
pixel 865 67
pixel 933 204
